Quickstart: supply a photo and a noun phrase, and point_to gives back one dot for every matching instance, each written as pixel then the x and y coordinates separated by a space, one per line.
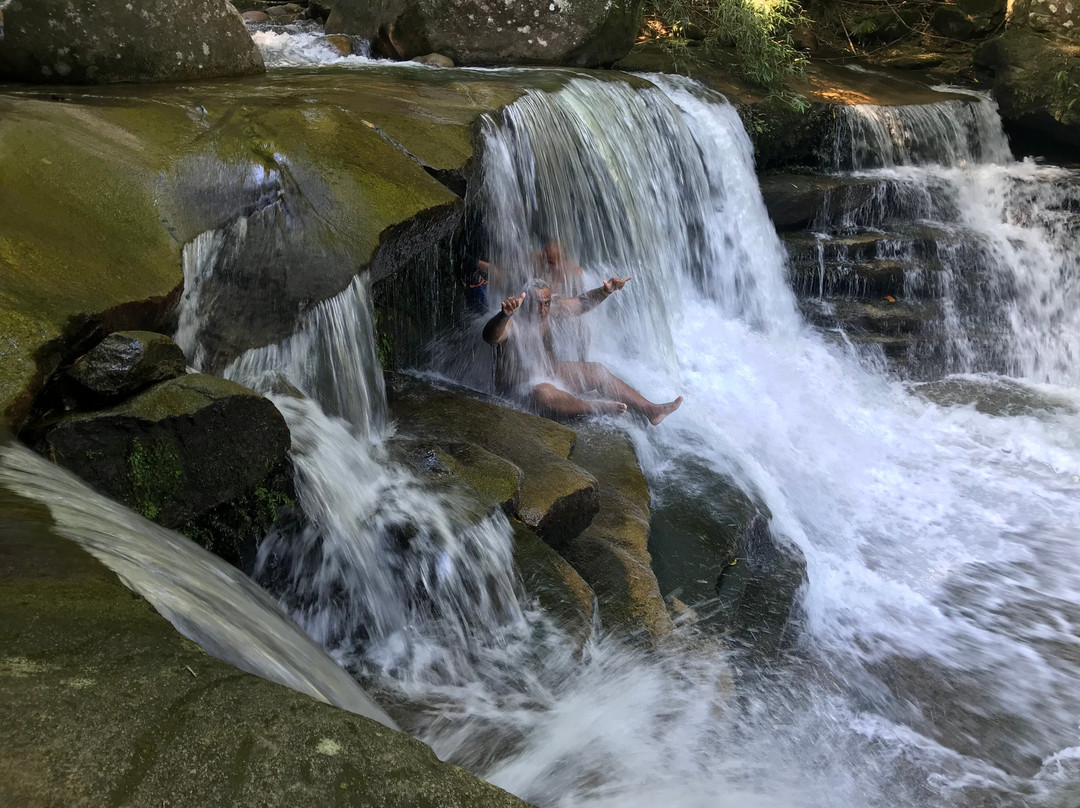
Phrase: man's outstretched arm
pixel 587 301
pixel 498 326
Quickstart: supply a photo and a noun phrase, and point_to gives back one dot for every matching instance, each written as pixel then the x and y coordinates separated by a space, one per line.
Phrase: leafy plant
pixel 759 30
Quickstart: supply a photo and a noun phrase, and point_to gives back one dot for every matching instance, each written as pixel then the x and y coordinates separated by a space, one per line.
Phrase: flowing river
pixel 934 657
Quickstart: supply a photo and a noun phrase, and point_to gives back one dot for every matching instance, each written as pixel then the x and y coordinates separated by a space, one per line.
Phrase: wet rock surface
pixel 58 41
pixel 106 704
pixel 714 550
pixel 556 498
pixel 797 201
pixel 125 362
pixel 581 491
pixel 197 453
pixel 612 553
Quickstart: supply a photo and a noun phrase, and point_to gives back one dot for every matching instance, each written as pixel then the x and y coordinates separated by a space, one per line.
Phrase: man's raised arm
pixel 499 326
pixel 587 301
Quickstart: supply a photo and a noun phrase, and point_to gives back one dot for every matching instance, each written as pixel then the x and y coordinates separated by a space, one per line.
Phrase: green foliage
pixel 1066 98
pixel 759 30
pixel 273 501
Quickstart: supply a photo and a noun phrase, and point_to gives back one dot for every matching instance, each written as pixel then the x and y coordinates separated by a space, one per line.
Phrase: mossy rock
pixel 612 553
pixel 327 174
pixel 106 704
pixel 1036 82
pixel 557 498
pixel 556 585
pixel 181 449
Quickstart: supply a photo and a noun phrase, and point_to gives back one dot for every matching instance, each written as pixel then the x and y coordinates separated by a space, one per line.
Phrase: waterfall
pixel 994 242
pixel 937 664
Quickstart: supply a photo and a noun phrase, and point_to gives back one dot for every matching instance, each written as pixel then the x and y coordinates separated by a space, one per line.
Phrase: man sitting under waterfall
pixel 527 367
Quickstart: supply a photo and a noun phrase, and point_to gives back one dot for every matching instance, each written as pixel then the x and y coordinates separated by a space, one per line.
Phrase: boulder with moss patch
pixel 185 453
pixel 106 704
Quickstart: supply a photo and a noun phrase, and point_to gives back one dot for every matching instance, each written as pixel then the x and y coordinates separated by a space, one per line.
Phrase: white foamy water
pixel 937 661
pixel 940 651
pixel 301 45
pixel 1005 259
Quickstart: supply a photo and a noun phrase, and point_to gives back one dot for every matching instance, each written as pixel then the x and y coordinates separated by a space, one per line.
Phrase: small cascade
pixel 303 44
pixel 954 246
pixel 207 600
pixel 394 576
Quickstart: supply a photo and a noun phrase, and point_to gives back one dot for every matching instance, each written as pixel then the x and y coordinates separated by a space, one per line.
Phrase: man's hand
pixel 512 304
pixel 614 283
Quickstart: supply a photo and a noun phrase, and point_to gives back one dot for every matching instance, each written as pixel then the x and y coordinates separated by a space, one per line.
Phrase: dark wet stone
pixel 180 451
pixel 126 362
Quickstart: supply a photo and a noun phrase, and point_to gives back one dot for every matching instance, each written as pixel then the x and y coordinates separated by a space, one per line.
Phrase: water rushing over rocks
pixel 992 242
pixel 934 658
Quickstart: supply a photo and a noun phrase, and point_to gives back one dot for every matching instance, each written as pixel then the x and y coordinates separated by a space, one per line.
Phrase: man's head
pixel 538 297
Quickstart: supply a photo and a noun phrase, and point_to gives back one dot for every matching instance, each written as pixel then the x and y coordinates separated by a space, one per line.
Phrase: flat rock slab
pixel 105 704
pixel 176 450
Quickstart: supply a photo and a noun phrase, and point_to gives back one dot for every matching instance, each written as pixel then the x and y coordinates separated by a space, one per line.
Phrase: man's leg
pixel 584 376
pixel 550 400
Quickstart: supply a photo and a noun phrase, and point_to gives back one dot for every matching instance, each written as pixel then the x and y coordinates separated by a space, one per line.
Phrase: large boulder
pixel 585 32
pixel 114 40
pixel 1036 82
pixel 104 703
pixel 187 453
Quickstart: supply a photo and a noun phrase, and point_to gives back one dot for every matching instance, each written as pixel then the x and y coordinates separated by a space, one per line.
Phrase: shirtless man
pixel 513 377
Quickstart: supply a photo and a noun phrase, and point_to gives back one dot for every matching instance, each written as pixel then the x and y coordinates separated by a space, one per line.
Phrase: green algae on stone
pixel 557 498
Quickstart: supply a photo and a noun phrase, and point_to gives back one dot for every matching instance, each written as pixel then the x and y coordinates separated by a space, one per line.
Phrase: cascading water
pixel 994 242
pixel 938 664
pixel 939 656
pixel 205 598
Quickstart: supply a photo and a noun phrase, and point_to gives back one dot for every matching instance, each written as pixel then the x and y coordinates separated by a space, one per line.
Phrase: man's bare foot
pixel 609 407
pixel 662 411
